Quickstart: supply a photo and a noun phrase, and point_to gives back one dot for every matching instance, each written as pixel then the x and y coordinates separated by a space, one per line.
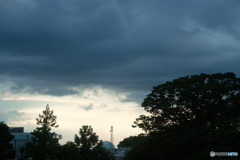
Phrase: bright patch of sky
pixel 98 107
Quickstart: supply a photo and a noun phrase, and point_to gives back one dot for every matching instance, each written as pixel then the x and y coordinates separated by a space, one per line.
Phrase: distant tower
pixel 111 139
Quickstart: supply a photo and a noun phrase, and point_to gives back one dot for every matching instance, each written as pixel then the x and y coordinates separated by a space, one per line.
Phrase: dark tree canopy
pixel 44 143
pixel 90 148
pixel 87 139
pixel 193 114
pixel 197 98
pixel 6 148
pixel 69 151
pixel 131 141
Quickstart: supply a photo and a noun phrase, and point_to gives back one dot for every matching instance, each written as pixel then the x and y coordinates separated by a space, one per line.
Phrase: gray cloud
pixel 88 107
pixel 49 46
pixel 12 115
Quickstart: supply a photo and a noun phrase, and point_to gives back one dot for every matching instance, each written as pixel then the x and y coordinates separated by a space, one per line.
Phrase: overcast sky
pixel 95 61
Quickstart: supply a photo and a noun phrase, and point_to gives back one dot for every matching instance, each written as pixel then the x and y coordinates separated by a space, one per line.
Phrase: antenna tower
pixel 111 139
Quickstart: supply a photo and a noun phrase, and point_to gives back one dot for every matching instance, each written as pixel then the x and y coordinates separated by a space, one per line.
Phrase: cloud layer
pixel 49 46
pixel 107 55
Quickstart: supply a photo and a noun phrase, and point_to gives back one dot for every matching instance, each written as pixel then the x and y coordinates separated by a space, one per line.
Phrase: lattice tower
pixel 111 138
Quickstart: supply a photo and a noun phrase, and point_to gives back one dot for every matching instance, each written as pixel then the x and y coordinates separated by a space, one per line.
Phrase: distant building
pixel 119 153
pixel 20 138
pixel 108 145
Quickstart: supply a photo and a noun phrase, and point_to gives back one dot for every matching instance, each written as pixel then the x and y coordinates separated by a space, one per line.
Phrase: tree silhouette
pixel 44 142
pixel 191 116
pixel 131 141
pixel 89 146
pixel 6 148
pixel 69 151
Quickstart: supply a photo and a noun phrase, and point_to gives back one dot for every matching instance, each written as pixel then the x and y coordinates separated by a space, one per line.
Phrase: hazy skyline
pixel 94 61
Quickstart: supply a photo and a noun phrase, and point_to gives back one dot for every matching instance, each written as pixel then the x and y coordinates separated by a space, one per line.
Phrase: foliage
pixel 131 141
pixel 69 151
pixel 44 143
pixel 142 150
pixel 89 146
pixel 87 140
pixel 191 116
pixel 6 148
pixel 101 153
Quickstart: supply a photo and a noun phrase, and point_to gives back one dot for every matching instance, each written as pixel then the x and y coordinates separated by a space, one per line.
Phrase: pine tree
pixel 44 142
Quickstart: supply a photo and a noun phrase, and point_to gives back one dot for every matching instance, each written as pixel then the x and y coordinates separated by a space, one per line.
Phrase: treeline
pixel 189 117
pixel 45 144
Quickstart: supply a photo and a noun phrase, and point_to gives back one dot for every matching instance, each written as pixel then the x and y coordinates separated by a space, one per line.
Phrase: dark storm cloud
pixel 49 46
